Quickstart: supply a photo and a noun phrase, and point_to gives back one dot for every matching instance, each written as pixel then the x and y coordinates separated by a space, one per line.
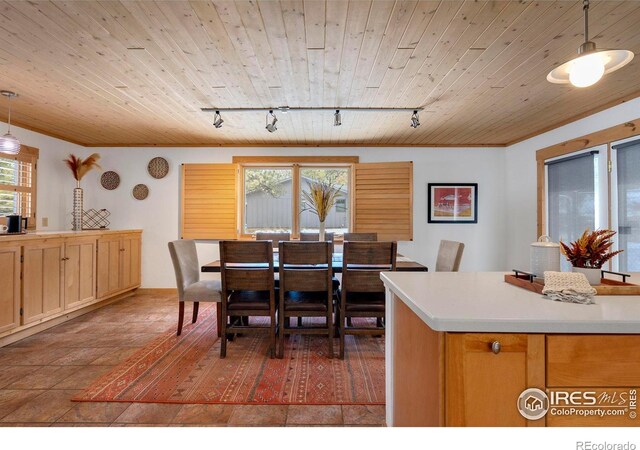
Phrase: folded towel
pixel 568 287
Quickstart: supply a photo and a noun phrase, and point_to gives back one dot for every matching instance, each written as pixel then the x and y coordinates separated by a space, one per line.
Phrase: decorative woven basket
pixel 158 167
pixel 110 180
pixel 140 191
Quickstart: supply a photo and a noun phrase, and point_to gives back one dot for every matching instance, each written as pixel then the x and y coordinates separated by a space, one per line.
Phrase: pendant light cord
pixel 9 118
pixel 585 7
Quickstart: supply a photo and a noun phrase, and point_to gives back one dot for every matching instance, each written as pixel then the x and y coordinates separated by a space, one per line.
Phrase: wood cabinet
pixel 46 276
pixel 118 264
pixel 42 272
pixel 79 271
pixel 487 371
pixel 10 282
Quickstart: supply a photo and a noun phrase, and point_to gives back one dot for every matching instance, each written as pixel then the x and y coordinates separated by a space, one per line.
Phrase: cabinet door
pixel 108 266
pixel 482 387
pixel 10 292
pixel 79 271
pixel 130 261
pixel 42 280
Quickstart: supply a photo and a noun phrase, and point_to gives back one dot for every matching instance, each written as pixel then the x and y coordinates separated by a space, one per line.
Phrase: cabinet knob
pixel 496 347
pixel 121 249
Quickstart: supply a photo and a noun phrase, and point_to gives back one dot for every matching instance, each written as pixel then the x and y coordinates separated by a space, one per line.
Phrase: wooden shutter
pixel 383 200
pixel 18 184
pixel 209 201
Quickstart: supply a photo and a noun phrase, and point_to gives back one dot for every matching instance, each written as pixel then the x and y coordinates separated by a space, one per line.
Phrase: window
pixel 268 202
pixel 272 194
pixel 625 182
pixel 18 183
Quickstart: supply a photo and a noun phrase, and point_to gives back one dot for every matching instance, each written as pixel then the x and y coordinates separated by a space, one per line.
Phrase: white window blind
pixel 571 197
pixel 628 204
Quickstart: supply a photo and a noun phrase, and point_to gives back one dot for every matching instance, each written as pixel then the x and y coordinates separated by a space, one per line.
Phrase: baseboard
pixel 157 291
pixel 25 331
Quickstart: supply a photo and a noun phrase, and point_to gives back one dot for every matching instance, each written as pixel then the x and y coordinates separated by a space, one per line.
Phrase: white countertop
pixel 483 302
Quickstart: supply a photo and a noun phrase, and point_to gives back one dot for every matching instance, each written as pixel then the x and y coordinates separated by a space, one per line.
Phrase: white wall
pixel 158 215
pixel 521 184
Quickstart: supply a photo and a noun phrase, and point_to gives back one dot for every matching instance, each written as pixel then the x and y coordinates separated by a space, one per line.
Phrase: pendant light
pixel 591 64
pixel 8 143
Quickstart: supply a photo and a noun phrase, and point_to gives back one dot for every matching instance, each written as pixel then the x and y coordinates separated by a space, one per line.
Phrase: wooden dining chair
pixel 360 237
pixel 184 257
pixel 305 289
pixel 247 290
pixel 274 237
pixel 362 291
pixel 449 256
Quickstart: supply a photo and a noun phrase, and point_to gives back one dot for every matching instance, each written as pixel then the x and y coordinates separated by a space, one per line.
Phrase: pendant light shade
pixel 9 144
pixel 590 65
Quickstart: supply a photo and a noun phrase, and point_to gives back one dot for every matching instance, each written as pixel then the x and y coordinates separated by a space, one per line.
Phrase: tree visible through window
pixel 16 180
pixel 338 218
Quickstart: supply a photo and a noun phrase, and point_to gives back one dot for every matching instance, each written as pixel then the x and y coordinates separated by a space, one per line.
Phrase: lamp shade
pixel 9 144
pixel 588 68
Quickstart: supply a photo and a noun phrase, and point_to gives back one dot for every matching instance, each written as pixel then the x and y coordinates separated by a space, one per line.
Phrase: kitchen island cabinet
pixel 462 349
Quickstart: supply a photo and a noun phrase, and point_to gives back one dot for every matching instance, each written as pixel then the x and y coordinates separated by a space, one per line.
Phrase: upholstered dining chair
pixel 274 237
pixel 449 256
pixel 362 293
pixel 368 237
pixel 305 289
pixel 190 288
pixel 248 290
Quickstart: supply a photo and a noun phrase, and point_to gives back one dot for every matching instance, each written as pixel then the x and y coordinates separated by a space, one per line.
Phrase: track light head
pixel 337 118
pixel 217 120
pixel 415 121
pixel 271 126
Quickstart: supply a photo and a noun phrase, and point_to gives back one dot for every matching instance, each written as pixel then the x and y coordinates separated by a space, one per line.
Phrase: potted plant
pixel 589 252
pixel 320 198
pixel 79 169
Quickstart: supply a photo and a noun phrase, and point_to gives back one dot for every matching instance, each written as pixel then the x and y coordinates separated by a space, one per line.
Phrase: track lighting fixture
pixel 8 143
pixel 590 64
pixel 415 121
pixel 337 118
pixel 217 120
pixel 271 126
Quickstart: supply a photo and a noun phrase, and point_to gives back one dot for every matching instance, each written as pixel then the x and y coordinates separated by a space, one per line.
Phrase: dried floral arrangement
pixel 80 167
pixel 591 250
pixel 321 198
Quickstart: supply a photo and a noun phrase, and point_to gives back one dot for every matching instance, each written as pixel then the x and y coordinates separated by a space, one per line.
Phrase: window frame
pixel 296 164
pixel 27 155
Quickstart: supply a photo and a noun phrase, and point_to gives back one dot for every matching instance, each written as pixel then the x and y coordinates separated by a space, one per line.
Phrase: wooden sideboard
pixel 50 277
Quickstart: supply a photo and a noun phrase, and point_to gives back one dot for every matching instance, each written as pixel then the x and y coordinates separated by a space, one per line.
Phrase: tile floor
pixel 40 374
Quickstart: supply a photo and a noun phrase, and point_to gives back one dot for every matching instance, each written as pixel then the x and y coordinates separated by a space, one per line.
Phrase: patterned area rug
pixel 188 369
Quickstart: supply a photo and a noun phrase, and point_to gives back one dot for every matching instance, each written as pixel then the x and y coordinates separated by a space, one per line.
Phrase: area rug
pixel 188 369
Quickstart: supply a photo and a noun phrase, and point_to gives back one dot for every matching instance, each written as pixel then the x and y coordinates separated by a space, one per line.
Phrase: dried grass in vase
pixel 80 167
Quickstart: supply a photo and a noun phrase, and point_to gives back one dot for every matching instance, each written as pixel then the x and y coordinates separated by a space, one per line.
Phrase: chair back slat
pixel 449 256
pixel 316 237
pixel 273 237
pixel 246 265
pixel 246 252
pixel 361 237
pixel 305 266
pixel 369 253
pixel 362 263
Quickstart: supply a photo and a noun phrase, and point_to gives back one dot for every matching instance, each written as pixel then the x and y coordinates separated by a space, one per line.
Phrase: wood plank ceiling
pixel 137 73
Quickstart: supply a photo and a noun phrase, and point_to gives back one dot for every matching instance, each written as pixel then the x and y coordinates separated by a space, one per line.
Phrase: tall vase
pixel 77 208
pixel 321 232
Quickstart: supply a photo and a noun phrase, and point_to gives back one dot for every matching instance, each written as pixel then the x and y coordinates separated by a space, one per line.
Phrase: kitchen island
pixel 461 348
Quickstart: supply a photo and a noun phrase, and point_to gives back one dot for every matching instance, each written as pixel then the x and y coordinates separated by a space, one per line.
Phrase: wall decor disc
pixel 158 167
pixel 110 180
pixel 140 191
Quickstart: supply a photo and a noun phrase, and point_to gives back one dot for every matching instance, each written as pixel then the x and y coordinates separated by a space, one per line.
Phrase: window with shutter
pixel 18 184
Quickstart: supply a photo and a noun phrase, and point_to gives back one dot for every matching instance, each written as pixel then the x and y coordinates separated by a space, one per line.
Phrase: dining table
pixel 403 264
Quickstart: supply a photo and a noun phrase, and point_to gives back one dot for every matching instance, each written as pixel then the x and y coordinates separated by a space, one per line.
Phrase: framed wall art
pixel 452 202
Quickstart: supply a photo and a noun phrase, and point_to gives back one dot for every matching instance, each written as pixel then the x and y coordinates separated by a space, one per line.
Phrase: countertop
pixel 483 302
pixel 59 234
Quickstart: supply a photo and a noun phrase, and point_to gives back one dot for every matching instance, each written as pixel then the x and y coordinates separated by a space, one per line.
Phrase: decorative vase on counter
pixel 77 208
pixel 593 275
pixel 545 256
pixel 321 232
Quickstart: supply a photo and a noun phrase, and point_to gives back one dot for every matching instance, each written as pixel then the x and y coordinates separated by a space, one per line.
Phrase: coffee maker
pixel 15 224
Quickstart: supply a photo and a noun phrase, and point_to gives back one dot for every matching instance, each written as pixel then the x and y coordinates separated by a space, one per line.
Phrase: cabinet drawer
pixel 590 361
